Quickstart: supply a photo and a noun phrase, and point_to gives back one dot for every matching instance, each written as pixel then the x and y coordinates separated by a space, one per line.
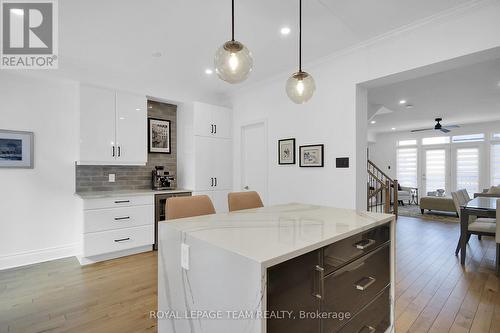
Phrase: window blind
pixel 407 166
pixel 495 164
pixel 468 169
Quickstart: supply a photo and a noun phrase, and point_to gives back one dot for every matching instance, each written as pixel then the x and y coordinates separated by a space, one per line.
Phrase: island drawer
pixel 353 286
pixel 376 317
pixel 117 218
pixel 116 240
pixel 354 247
pixel 113 202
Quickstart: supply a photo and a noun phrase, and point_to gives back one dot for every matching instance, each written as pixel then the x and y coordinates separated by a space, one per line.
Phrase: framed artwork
pixel 311 156
pixel 159 136
pixel 16 149
pixel 286 151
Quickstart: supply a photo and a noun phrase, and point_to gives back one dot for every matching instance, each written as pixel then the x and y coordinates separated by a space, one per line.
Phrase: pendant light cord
pixel 232 20
pixel 300 36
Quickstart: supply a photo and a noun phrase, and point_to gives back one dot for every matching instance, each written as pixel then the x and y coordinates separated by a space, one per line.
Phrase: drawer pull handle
pixel 122 240
pixel 364 283
pixel 364 244
pixel 367 329
pixel 122 218
pixel 121 201
pixel 321 280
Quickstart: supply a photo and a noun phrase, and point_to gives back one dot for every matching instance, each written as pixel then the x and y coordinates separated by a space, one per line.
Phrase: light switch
pixel 185 256
pixel 111 177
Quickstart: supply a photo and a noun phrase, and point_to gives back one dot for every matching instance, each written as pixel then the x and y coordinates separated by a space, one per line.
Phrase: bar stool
pixel 197 205
pixel 243 200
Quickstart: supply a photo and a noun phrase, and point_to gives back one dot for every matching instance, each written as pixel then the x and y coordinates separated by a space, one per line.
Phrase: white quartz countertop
pixel 110 194
pixel 272 235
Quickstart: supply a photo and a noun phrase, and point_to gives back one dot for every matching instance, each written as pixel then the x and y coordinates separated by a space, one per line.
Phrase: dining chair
pixel 497 240
pixel 180 207
pixel 466 195
pixel 477 226
pixel 244 200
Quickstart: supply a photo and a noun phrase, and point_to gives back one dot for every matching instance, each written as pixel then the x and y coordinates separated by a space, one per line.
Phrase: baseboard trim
pixel 38 256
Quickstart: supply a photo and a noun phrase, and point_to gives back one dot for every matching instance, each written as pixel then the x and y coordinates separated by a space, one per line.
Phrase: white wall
pixel 383 150
pixel 332 116
pixel 38 208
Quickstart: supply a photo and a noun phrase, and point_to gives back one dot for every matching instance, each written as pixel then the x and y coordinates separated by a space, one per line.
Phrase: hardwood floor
pixel 433 292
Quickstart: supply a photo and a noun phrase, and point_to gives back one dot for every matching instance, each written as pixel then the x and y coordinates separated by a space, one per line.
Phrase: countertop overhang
pixel 272 235
pixel 114 194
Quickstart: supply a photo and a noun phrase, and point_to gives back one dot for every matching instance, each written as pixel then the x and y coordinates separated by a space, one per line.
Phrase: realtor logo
pixel 29 34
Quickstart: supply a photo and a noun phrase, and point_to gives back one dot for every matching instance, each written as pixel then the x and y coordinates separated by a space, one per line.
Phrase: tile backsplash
pixel 95 177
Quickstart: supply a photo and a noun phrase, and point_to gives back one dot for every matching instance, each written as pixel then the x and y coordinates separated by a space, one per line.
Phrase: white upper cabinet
pixel 131 128
pixel 97 125
pixel 212 121
pixel 113 127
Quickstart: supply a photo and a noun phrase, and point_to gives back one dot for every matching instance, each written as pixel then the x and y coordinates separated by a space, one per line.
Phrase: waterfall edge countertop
pixel 114 194
pixel 272 235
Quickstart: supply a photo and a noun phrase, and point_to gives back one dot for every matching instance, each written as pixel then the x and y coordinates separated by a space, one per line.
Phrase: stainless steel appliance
pixel 162 180
pixel 160 209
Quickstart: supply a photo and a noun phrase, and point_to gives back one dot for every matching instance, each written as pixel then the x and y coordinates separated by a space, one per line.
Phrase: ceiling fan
pixel 437 127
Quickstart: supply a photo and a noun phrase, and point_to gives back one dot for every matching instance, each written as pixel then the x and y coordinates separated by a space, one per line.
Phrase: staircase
pixel 382 191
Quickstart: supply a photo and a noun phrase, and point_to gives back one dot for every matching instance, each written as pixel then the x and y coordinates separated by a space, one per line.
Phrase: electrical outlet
pixel 185 256
pixel 111 177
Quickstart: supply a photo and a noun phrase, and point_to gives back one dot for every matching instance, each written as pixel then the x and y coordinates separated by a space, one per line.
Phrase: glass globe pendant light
pixel 300 86
pixel 233 61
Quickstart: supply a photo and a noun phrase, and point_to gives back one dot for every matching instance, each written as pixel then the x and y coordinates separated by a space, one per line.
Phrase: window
pixel 436 140
pixel 407 143
pixel 468 169
pixel 468 138
pixel 435 169
pixel 495 136
pixel 407 166
pixel 495 164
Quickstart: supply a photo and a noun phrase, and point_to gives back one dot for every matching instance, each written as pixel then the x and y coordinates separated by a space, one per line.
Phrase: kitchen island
pixel 288 268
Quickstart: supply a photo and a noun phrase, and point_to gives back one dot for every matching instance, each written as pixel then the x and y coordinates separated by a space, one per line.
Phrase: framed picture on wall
pixel 16 149
pixel 159 136
pixel 286 151
pixel 311 156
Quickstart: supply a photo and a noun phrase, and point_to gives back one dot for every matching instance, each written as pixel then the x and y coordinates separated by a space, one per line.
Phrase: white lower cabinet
pixel 219 199
pixel 115 227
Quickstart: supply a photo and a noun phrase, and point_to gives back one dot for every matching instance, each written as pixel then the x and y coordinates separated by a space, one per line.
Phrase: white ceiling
pixel 469 94
pixel 111 42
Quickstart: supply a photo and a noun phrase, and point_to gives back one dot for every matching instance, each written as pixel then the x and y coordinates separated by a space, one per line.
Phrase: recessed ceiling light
pixel 285 31
pixel 403 101
pixel 394 128
pixel 137 109
pixel 208 71
pixel 373 122
pixel 17 11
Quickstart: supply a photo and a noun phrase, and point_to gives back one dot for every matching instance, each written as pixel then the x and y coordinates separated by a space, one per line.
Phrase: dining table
pixel 479 207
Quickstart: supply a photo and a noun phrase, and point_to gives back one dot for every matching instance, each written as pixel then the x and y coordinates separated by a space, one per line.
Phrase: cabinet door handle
pixel 122 240
pixel 122 218
pixel 215 181
pixel 364 244
pixel 320 294
pixel 119 151
pixel 367 329
pixel 113 151
pixel 364 283
pixel 215 127
pixel 121 201
pixel 212 128
pixel 212 181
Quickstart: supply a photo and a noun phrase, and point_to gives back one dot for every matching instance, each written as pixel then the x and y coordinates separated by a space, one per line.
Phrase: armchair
pixel 404 194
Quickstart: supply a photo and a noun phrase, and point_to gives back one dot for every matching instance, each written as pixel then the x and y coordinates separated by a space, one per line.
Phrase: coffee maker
pixel 162 180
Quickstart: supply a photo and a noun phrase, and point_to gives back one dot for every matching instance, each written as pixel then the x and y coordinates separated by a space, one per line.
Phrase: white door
pixel 223 160
pixel 436 170
pixel 205 150
pixel 97 125
pixel 131 128
pixel 467 168
pixel 222 122
pixel 254 159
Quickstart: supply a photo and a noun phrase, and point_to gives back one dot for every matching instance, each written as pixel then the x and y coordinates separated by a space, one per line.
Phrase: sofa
pixel 442 204
pixel 493 192
pixel 404 195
